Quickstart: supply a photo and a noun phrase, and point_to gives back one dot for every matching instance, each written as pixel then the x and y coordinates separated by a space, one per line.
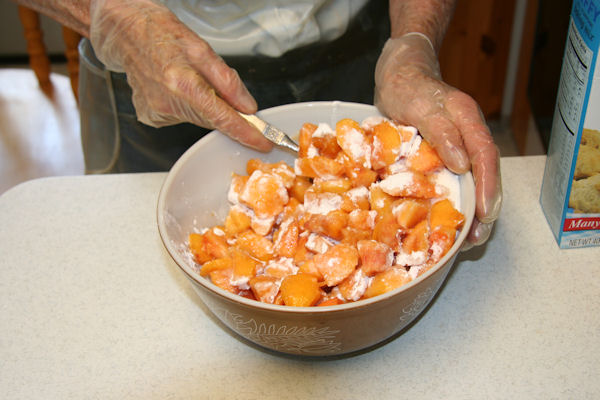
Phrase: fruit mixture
pixel 367 208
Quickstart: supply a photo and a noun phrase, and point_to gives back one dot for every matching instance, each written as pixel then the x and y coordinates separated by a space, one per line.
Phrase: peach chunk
pixel 327 145
pixel 374 256
pixel 353 287
pixel 444 214
pixel 351 138
pixel 337 263
pixel 299 187
pixel 409 212
pixel 265 194
pixel 265 288
pixel 222 278
pixel 215 265
pixel 279 169
pixel 417 238
pixel 285 239
pixel 441 240
pixel 301 290
pixel 236 221
pixel 409 184
pixel 305 139
pixel 425 159
pixel 362 219
pixel 244 266
pixel 386 281
pixel 330 224
pixel 255 245
pixel 379 199
pixel 386 230
pixel 207 246
pixel 386 145
pixel 336 185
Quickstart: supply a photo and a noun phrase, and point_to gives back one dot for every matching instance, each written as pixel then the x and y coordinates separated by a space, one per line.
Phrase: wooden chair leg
pixel 72 39
pixel 38 59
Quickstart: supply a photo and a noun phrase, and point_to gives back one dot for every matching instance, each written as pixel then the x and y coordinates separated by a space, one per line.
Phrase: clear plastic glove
pixel 175 75
pixel 409 89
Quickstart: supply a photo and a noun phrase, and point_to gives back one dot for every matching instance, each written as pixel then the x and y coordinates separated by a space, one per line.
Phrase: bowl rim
pixel 466 183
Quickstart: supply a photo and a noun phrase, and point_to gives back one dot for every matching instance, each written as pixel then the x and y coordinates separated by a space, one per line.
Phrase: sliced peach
pixel 285 239
pixel 409 184
pixel 362 219
pixel 354 286
pixel 330 224
pixel 351 236
pixel 238 182
pixel 301 290
pixel 444 214
pixel 417 239
pixel 441 240
pixel 302 253
pixel 374 256
pixel 387 230
pixel 352 139
pixel 280 268
pixel 335 185
pixel 379 199
pixel 305 138
pixel 299 187
pixel 255 245
pixel 409 212
pixel 425 159
pixel 237 221
pixel 337 263
pixel 207 246
pixel 356 198
pixel 265 288
pixel 386 281
pixel 327 145
pixel 215 265
pixel 386 145
pixel 222 278
pixel 265 194
pixel 332 301
pixel 244 266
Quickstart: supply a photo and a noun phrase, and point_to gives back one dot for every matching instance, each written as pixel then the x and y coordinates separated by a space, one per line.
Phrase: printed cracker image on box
pixel 570 195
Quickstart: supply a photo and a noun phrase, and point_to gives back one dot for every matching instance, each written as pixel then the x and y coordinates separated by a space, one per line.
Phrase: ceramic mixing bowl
pixel 194 195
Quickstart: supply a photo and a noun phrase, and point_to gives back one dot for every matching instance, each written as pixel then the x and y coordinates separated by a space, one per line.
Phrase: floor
pixel 39 136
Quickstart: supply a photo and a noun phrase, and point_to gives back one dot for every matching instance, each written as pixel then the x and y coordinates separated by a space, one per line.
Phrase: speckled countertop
pixel 91 306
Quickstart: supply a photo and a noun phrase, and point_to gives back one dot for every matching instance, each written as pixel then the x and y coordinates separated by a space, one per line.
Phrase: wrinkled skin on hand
pixel 410 90
pixel 175 75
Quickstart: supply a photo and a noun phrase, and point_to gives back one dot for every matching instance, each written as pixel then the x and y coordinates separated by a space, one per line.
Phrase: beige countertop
pixel 91 306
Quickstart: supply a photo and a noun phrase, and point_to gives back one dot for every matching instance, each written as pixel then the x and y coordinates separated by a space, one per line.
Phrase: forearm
pixel 430 17
pixel 74 14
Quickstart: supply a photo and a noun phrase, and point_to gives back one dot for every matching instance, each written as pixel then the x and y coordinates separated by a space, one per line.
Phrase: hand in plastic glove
pixel 410 90
pixel 175 75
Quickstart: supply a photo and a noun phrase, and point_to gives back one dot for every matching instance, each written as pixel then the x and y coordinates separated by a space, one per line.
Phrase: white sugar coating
pixel 218 231
pixel 255 181
pixel 241 282
pixel 412 258
pixel 360 286
pixel 372 121
pixel 358 193
pixel 436 250
pixel 411 147
pixel 358 147
pixel 282 171
pixel 318 243
pixel 283 227
pixel 398 166
pixel 261 226
pixel 323 130
pixel 283 264
pixel 448 183
pixel 322 203
pixel 370 220
pixel 414 271
pixel 233 196
pixel 396 183
pixel 311 152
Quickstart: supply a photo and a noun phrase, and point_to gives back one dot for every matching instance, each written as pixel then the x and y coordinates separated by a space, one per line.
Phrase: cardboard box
pixel 570 195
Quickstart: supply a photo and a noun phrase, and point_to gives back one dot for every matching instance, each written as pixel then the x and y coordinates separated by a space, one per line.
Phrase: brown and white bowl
pixel 194 195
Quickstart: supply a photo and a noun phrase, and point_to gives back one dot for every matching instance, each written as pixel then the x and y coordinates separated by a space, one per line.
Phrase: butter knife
pixel 270 132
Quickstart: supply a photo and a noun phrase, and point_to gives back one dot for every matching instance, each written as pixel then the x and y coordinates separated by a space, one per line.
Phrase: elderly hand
pixel 175 75
pixel 409 89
